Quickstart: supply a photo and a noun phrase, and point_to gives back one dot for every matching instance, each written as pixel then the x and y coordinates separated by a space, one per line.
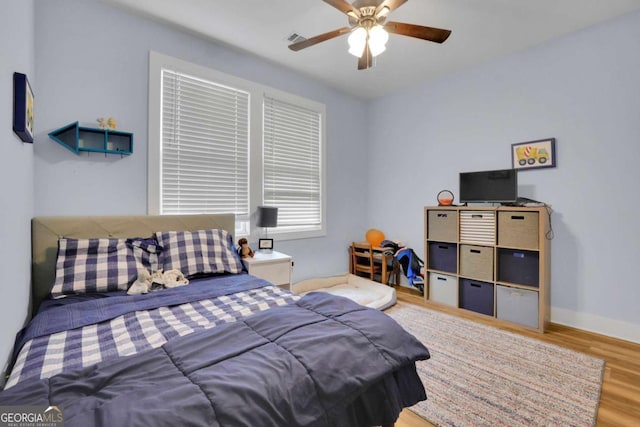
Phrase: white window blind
pixel 205 147
pixel 292 164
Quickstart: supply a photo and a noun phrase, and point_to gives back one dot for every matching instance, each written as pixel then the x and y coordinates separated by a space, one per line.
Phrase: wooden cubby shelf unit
pixel 493 260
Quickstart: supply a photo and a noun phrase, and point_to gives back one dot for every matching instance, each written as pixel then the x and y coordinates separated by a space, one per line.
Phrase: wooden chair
pixel 363 261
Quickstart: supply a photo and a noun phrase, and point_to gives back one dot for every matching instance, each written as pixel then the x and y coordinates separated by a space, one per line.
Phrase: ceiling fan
pixel 370 29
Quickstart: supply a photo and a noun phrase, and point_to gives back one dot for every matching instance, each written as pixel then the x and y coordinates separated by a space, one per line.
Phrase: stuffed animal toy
pixel 111 123
pixel 102 123
pixel 174 278
pixel 157 280
pixel 142 285
pixel 244 250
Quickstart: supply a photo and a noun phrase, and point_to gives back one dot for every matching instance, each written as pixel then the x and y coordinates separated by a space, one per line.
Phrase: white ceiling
pixel 481 30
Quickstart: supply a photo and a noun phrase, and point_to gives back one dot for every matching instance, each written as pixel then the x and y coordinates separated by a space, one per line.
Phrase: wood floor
pixel 620 397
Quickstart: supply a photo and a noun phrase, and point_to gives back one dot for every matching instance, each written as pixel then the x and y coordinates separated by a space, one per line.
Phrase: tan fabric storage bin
pixel 518 229
pixel 476 262
pixel 442 225
pixel 478 227
pixel 443 289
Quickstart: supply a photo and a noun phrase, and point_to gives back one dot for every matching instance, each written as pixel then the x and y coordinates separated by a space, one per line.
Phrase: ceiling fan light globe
pixel 376 49
pixel 378 38
pixel 383 12
pixel 378 35
pixel 357 41
pixel 357 52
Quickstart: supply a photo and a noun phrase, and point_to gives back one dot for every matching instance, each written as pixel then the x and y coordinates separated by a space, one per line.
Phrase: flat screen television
pixel 497 186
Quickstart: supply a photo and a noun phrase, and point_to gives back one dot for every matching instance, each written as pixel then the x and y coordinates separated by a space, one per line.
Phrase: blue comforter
pixel 322 361
pixel 77 311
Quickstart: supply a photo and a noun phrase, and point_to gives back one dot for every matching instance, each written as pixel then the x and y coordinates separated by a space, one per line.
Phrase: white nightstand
pixel 274 267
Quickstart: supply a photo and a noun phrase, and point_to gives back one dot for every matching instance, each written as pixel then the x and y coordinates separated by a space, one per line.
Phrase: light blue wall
pixel 16 174
pixel 92 60
pixel 584 90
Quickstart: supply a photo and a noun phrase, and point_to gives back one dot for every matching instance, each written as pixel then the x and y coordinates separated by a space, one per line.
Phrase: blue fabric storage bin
pixel 518 266
pixel 476 296
pixel 443 256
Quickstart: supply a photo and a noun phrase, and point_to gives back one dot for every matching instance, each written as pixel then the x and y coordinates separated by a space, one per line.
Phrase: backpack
pixel 411 265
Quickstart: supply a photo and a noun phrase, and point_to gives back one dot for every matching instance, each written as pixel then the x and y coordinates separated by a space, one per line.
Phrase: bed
pixel 226 349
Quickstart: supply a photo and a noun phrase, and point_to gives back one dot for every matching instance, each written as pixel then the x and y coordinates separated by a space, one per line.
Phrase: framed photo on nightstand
pixel 265 244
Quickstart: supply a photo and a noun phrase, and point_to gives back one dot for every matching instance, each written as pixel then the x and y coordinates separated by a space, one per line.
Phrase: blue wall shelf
pixel 78 138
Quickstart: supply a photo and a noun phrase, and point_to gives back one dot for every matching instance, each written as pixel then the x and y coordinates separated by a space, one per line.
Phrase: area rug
pixel 482 376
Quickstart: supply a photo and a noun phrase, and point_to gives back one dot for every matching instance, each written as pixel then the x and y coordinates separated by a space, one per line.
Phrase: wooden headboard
pixel 45 232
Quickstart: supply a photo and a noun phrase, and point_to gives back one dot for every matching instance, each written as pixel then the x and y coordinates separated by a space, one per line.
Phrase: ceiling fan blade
pixel 362 62
pixel 345 7
pixel 431 34
pixel 319 38
pixel 366 60
pixel 389 4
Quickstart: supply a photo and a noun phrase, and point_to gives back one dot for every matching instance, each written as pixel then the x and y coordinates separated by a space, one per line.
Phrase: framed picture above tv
pixel 534 154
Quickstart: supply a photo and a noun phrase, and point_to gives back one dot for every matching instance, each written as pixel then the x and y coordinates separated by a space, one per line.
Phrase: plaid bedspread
pixel 137 331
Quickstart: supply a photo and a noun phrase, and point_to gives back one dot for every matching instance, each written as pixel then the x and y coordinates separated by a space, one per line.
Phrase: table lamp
pixel 267 217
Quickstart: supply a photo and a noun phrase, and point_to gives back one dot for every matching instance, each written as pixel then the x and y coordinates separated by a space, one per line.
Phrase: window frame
pixel 257 93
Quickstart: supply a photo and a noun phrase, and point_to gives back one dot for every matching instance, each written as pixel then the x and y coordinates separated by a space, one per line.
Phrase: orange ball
pixel 374 237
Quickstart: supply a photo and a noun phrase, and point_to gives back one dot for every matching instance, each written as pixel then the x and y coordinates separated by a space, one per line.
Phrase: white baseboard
pixel 598 324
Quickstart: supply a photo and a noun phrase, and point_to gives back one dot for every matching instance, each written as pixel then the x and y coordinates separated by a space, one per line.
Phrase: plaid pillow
pixel 93 265
pixel 146 252
pixel 199 252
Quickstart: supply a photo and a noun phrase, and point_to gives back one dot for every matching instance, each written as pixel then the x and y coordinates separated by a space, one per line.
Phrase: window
pixel 220 144
pixel 291 164
pixel 205 147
